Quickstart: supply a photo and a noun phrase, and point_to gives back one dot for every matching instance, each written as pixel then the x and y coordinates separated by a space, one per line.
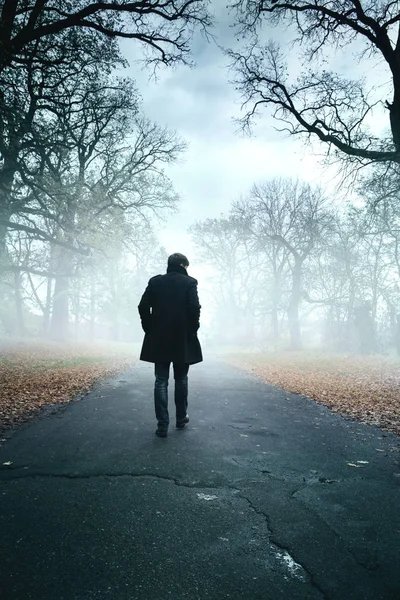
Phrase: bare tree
pixel 331 275
pixel 32 100
pixel 163 27
pixel 380 228
pixel 107 286
pixel 237 276
pixel 104 157
pixel 293 216
pixel 320 103
pixel 46 43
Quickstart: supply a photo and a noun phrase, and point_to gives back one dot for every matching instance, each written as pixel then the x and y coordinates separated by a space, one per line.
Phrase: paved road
pixel 253 500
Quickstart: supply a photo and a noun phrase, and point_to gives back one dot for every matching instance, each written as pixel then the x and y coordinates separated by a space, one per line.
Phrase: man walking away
pixel 170 315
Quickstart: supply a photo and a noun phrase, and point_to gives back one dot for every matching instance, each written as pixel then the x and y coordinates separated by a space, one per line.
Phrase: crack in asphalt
pixel 281 546
pixel 257 470
pixel 289 478
pixel 77 476
pixel 352 552
pixel 212 486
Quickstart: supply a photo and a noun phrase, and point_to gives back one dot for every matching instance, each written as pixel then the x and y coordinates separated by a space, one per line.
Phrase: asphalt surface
pixel 254 499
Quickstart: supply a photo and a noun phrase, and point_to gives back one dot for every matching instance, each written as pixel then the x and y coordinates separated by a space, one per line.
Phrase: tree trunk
pixel 293 309
pixel 365 328
pixel 275 301
pixel 49 296
pixel 19 306
pixel 60 310
pixel 274 313
pixel 3 250
pixel 114 329
pixel 5 215
pixel 47 308
pixel 275 320
pixel 92 321
pixel 77 310
pixel 60 314
pixel 349 330
pixel 394 110
pixel 396 334
pixel 7 174
pixel 59 329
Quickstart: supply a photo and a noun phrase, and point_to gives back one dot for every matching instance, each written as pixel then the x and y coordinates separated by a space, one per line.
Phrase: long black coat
pixel 170 313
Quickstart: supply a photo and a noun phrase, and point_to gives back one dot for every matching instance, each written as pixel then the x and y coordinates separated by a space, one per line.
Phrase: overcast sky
pixel 220 164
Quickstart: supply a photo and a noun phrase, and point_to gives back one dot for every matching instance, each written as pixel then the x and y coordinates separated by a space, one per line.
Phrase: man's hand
pixel 145 309
pixel 193 308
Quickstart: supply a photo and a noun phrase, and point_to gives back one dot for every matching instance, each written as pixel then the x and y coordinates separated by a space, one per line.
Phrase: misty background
pixel 110 164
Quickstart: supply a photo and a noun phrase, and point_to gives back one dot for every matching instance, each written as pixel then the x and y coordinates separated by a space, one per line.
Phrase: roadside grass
pixel 366 388
pixel 35 374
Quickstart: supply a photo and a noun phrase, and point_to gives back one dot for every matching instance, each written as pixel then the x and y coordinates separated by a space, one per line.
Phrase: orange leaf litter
pixel 35 375
pixel 366 388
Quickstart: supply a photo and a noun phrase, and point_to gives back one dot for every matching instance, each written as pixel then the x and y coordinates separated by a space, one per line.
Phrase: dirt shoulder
pixel 33 375
pixel 366 388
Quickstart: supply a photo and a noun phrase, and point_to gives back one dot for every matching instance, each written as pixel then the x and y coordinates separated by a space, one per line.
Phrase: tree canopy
pixel 164 27
pixel 322 102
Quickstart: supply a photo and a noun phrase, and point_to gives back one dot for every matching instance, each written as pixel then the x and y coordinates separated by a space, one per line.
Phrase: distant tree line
pixel 291 269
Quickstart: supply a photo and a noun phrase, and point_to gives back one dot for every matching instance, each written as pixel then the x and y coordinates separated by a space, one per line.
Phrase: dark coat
pixel 170 313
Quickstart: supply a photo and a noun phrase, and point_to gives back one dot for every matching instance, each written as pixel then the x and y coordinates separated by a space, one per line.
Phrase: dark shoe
pixel 181 423
pixel 161 432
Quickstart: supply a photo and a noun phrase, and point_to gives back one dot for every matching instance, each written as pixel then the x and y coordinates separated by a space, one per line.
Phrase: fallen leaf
pixel 35 374
pixel 365 388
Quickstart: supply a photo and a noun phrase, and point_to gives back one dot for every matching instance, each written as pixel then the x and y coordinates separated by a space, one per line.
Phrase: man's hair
pixel 177 259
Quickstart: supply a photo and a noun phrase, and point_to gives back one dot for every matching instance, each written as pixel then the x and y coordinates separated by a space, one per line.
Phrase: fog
pixel 110 162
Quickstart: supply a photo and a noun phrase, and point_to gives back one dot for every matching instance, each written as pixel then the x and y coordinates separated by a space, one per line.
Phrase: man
pixel 170 313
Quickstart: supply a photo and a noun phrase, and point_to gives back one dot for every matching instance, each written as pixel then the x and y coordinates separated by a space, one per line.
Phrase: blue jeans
pixel 161 392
